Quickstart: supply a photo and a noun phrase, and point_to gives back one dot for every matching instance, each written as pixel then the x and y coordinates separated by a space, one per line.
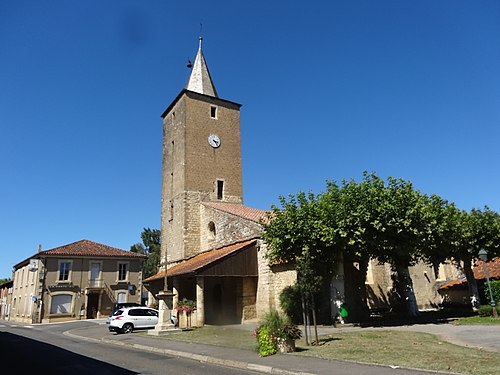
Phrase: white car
pixel 128 319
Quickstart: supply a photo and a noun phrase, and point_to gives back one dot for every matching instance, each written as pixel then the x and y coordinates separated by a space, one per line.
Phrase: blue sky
pixel 407 89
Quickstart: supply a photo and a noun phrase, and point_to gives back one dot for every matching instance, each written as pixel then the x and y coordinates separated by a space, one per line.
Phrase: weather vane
pixel 189 64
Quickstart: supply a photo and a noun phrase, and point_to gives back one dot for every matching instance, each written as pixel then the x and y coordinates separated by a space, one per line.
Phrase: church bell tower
pixel 201 160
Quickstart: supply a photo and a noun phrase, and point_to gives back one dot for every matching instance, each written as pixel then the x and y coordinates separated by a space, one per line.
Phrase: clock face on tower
pixel 213 140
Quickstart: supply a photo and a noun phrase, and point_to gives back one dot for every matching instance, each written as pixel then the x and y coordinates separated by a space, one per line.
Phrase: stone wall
pixel 272 280
pixel 219 228
pixel 191 168
pixel 426 282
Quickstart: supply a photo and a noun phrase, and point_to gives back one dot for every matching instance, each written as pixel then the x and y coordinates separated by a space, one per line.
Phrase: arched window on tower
pixel 211 230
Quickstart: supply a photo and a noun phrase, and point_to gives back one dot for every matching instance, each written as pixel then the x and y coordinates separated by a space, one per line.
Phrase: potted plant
pixel 276 333
pixel 185 307
pixel 286 337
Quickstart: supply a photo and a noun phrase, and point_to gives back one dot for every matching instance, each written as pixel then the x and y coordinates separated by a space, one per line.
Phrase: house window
pixel 213 112
pixel 61 304
pixel 122 271
pixel 25 311
pixel 220 189
pixel 95 274
pixel 121 297
pixel 64 268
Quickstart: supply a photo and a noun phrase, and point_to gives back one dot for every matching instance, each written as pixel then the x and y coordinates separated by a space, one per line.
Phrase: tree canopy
pixel 374 219
pixel 150 247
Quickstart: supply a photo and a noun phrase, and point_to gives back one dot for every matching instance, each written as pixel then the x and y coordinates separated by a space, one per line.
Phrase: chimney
pixel 40 248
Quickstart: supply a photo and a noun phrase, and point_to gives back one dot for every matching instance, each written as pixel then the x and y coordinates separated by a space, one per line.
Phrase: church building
pixel 211 247
pixel 211 250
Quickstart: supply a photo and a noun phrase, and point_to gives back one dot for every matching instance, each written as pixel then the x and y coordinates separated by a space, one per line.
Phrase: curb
pixel 238 364
pixel 197 357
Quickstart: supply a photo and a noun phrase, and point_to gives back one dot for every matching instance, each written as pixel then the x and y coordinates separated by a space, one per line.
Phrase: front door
pixel 92 305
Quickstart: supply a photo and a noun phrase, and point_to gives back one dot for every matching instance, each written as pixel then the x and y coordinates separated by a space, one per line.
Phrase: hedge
pixel 495 288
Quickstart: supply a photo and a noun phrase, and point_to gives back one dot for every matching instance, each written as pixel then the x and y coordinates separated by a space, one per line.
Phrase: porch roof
pixel 202 261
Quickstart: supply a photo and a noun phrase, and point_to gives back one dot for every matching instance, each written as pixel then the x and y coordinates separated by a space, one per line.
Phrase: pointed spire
pixel 200 80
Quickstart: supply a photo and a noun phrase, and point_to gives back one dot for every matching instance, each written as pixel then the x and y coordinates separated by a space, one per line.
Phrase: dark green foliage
pixel 291 304
pixel 487 310
pixel 150 246
pixel 495 289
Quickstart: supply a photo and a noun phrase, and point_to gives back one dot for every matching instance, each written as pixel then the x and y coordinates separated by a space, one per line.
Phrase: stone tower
pixel 201 161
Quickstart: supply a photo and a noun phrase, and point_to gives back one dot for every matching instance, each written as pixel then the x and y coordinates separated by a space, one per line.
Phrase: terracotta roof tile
pixel 478 270
pixel 453 283
pixel 200 261
pixel 245 212
pixel 90 248
pixel 493 269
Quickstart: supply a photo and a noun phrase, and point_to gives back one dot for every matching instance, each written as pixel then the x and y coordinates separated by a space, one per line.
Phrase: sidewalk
pixel 238 358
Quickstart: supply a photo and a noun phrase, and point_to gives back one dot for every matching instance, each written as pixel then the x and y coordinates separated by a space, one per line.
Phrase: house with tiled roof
pixel 455 292
pixel 5 298
pixel 80 280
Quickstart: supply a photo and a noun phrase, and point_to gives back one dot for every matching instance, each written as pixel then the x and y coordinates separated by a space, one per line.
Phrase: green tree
pixel 402 227
pixel 355 210
pixel 384 221
pixel 389 221
pixel 297 233
pixel 442 220
pixel 479 229
pixel 150 246
pixel 2 281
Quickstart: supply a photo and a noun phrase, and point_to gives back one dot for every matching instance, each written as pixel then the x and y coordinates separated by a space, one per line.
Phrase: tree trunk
pixel 406 289
pixel 363 269
pixel 304 317
pixel 355 288
pixel 314 322
pixel 471 283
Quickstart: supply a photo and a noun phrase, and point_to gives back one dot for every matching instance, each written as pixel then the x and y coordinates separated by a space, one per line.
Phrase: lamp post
pixel 483 255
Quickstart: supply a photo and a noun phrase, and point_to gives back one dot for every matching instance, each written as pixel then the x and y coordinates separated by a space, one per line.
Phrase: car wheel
pixel 127 328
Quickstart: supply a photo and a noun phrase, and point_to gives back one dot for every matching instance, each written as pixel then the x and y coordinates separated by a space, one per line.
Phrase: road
pixel 44 348
pixel 84 347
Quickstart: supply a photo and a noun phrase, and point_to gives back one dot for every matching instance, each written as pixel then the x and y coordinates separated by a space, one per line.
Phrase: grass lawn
pixel 404 349
pixel 388 347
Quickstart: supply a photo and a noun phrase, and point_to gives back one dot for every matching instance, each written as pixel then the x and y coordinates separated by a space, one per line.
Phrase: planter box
pixel 286 345
pixel 187 320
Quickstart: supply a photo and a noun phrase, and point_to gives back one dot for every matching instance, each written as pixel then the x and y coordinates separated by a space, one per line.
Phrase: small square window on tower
pixel 213 112
pixel 220 189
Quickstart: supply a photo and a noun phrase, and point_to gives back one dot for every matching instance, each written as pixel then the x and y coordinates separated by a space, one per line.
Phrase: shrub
pixel 495 289
pixel 487 310
pixel 291 304
pixel 275 327
pixel 266 341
